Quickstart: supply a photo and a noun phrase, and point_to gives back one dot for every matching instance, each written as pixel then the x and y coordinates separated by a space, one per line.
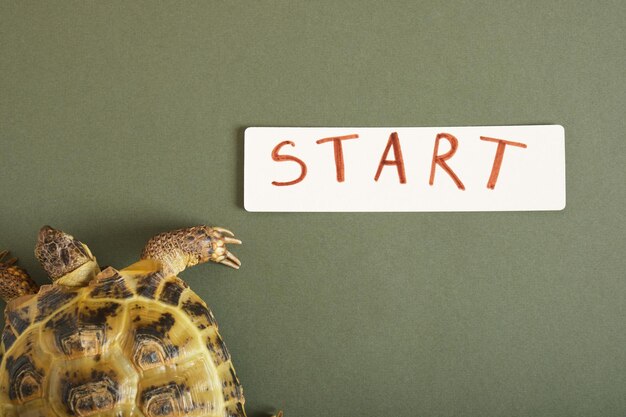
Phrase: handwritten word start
pixel 466 168
pixel 393 145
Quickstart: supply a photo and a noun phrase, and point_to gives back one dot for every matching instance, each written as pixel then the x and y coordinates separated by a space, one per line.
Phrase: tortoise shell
pixel 134 342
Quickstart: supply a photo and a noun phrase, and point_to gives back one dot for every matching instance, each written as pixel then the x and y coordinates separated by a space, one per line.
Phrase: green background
pixel 121 120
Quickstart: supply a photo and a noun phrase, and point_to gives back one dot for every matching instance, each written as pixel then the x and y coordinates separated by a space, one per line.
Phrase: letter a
pixel 397 161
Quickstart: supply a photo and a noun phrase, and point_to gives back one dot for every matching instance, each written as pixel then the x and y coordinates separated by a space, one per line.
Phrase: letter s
pixel 282 158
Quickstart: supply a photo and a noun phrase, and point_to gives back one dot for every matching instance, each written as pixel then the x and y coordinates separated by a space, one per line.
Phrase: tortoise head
pixel 67 260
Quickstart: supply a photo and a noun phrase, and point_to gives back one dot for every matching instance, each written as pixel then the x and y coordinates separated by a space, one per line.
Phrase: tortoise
pixel 116 343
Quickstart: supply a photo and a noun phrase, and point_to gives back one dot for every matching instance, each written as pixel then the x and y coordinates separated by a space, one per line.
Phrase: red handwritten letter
pixel 281 158
pixel 338 149
pixel 397 161
pixel 441 159
pixel 497 162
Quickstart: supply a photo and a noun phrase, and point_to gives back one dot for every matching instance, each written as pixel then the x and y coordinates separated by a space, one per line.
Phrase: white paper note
pixel 476 168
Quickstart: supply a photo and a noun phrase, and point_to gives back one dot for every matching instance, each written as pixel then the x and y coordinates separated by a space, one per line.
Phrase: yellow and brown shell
pixel 132 343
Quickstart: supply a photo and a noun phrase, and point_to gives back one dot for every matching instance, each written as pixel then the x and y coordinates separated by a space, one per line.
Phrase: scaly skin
pixel 180 249
pixel 59 253
pixel 14 280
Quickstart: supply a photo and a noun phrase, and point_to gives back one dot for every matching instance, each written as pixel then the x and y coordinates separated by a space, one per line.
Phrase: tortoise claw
pixel 225 231
pixel 220 238
pixel 232 240
pixel 227 262
pixel 10 262
pixel 233 258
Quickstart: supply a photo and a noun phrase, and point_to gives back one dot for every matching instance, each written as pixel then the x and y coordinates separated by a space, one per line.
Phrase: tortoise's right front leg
pixel 14 280
pixel 180 249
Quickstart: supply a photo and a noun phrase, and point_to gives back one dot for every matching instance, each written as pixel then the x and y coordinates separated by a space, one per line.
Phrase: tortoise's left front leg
pixel 183 248
pixel 14 280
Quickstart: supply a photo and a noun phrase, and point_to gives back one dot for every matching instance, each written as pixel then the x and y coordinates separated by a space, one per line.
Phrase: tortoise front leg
pixel 180 249
pixel 14 280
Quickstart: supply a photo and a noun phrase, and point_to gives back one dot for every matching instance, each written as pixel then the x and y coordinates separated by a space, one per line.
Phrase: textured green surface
pixel 120 120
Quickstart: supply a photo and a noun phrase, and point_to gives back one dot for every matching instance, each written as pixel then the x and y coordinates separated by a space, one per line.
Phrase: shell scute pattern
pixel 173 393
pixel 85 386
pixel 193 305
pixel 110 284
pixel 24 372
pixel 148 285
pixel 51 298
pixel 8 338
pixel 131 343
pixel 86 328
pixel 172 291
